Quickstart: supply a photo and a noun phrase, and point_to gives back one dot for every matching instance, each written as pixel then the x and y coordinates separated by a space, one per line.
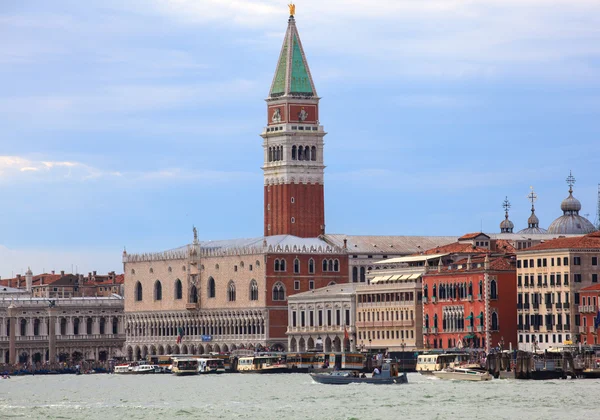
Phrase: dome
pixel 506 225
pixel 570 204
pixel 532 230
pixel 533 220
pixel 571 224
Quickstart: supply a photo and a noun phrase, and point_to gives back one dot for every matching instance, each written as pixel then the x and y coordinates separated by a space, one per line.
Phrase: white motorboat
pixel 462 374
pixel 137 368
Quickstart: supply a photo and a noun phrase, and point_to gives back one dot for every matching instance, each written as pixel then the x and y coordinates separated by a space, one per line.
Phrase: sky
pixel 125 123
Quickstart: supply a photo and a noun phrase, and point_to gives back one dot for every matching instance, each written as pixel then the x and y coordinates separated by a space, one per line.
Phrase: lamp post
pixel 402 344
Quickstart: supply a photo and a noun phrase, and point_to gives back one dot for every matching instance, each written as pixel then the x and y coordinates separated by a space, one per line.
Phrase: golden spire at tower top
pixel 292 7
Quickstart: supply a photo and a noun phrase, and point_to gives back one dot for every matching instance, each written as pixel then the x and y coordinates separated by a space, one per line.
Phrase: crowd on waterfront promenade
pixel 53 368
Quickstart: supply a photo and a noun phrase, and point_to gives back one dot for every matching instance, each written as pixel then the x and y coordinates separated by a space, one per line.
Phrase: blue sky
pixel 124 123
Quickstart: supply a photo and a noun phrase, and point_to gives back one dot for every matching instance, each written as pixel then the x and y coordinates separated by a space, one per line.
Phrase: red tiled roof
pixel 595 287
pixel 456 248
pixel 590 241
pixel 499 263
pixel 471 236
pixel 504 246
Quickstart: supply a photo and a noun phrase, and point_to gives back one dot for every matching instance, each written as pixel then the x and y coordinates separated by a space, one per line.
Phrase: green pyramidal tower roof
pixel 292 77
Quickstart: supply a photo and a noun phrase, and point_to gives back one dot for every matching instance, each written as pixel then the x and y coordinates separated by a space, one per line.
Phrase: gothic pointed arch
pixel 493 290
pixel 253 290
pixel 311 266
pixel 157 290
pixel 193 294
pixel 178 289
pixel 211 288
pixel 296 266
pixel 278 291
pixel 231 291
pixel 139 295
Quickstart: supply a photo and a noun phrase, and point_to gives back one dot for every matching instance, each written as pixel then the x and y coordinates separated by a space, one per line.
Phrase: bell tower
pixel 293 146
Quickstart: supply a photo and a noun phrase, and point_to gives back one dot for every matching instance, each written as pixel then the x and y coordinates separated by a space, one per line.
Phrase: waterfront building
pixel 322 319
pixel 589 300
pixel 571 222
pixel 470 302
pixel 389 308
pixel 36 330
pixel 550 277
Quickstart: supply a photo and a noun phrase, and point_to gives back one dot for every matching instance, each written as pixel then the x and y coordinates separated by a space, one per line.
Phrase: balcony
pixel 425 330
pixel 536 306
pixel 479 296
pixel 526 306
pixel 559 306
pixel 480 328
pixel 424 300
pixel 191 306
pixel 470 298
pixel 545 284
pixel 582 330
pixel 469 328
pixel 566 305
pixel 520 306
pixel 434 330
pixel 433 299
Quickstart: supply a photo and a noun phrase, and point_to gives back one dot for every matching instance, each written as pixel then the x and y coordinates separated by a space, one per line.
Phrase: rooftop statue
pixel 292 7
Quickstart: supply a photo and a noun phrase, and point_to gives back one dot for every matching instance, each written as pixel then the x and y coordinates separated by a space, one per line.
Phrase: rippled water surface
pixel 292 396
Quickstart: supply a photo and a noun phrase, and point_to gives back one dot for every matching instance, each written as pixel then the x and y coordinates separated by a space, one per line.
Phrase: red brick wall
pixel 308 210
pixel 278 325
pixel 506 306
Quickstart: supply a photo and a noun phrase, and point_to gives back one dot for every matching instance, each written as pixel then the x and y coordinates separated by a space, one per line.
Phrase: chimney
pixel 52 272
pixel 62 272
pixel 94 274
pixel 345 243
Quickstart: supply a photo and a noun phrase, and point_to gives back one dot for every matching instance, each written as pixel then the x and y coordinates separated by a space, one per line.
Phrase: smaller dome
pixel 570 204
pixel 533 220
pixel 506 224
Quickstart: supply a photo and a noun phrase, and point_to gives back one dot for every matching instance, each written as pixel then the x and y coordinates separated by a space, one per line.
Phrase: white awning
pixel 411 258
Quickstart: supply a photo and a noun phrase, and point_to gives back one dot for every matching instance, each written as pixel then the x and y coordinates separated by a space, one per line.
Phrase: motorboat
pixel 388 375
pixel 274 363
pixel 185 366
pixel 139 368
pixel 462 374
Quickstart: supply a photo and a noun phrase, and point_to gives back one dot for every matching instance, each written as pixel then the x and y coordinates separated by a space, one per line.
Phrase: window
pixel 138 292
pixel 178 289
pixel 311 284
pixel 231 291
pixel 577 278
pixel 594 260
pixel 311 266
pixel 566 261
pixel 293 220
pixel 518 263
pixel 211 288
pixel 493 290
pixel 280 265
pixel 253 290
pixel 336 266
pixel 297 266
pixel 296 285
pixel 525 264
pixel 324 265
pixel 294 319
pixel 157 290
pixel 362 274
pixel 594 278
pixel 193 294
pixel 576 260
pixel 278 292
pixel 558 262
pixel 354 274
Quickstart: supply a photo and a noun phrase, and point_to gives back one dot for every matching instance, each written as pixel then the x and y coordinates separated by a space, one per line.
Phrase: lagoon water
pixel 289 396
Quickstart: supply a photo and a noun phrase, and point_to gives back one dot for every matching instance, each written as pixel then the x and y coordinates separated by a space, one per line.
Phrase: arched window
pixel 36 326
pixel 435 321
pixel 493 290
pixel 89 325
pixel 330 265
pixel 471 320
pixel 481 318
pixel 297 266
pixel 282 265
pixel 193 294
pixel 270 154
pixel 278 292
pixel 336 265
pixel 276 265
pixel 470 288
pixel 253 290
pixel 76 326
pixel 425 292
pixel 23 327
pixel 313 153
pixel 231 291
pixel 115 325
pixel 362 275
pixel 324 265
pixel 434 291
pixel 354 274
pixel 138 292
pixel 178 289
pixel 293 152
pixel 306 153
pixel 480 288
pixel 311 266
pixel 426 321
pixel 494 321
pixel 211 288
pixel 157 290
pixel 300 153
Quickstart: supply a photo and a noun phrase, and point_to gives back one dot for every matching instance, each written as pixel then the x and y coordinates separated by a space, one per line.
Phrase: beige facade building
pixel 390 309
pixel 324 316
pixel 549 279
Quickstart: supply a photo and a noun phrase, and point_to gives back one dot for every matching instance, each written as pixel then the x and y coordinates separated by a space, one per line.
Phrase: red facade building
pixel 588 310
pixel 471 303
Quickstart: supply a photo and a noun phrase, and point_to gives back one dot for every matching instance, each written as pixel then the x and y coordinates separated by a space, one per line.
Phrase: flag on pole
pixel 180 335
